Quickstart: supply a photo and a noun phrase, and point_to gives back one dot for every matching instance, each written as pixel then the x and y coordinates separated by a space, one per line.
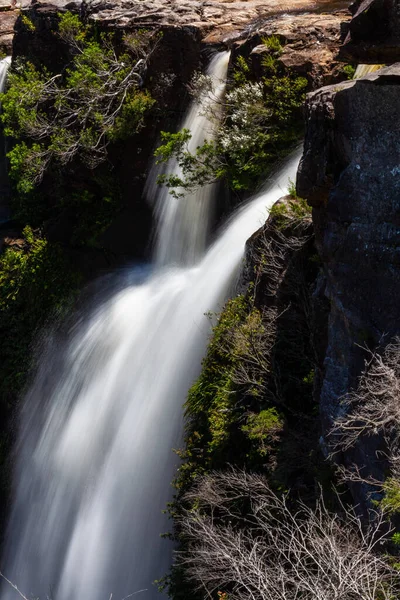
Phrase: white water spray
pixel 97 428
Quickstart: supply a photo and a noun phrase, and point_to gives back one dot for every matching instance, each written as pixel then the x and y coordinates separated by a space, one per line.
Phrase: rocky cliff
pixel 350 173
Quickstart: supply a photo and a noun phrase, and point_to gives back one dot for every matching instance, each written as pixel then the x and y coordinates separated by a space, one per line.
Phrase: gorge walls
pixel 350 174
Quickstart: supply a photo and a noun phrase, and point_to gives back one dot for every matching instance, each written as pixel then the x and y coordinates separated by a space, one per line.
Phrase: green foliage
pixel 396 539
pixel 262 123
pixel 218 427
pixel 391 499
pixel 198 167
pixel 71 28
pixel 294 209
pixel 273 44
pixel 241 71
pixel 292 189
pixel 55 119
pixel 36 281
pixel 132 116
pixel 25 162
pixel 28 23
pixel 210 407
pixel 349 71
pixel 262 428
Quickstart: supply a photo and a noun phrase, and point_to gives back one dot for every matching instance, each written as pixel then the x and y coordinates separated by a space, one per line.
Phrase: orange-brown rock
pixel 8 17
pixel 214 18
pixel 311 44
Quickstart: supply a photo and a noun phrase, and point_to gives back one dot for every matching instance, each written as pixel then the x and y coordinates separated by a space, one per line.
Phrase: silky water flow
pixel 94 459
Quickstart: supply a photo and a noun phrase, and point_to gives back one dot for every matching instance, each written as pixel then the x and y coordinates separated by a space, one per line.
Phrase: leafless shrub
pixel 373 408
pixel 252 343
pixel 273 252
pixel 277 551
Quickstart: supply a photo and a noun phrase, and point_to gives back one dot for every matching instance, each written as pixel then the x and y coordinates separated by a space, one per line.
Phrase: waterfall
pixel 4 185
pixel 182 226
pixel 97 428
pixel 364 70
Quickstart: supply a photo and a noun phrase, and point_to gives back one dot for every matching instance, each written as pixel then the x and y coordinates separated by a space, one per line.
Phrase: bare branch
pixel 373 408
pixel 272 549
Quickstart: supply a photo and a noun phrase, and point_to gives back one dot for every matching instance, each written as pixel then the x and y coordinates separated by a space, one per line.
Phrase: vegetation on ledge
pixel 262 122
pixel 60 122
pixel 255 515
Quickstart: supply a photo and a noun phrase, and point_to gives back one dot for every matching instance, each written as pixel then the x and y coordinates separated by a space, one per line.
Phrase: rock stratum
pixel 213 21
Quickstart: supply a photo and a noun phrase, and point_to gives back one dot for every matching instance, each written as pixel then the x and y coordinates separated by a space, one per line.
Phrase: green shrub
pixel 28 23
pixel 349 71
pixel 273 44
pixel 262 123
pixel 262 429
pixel 36 282
pixel 57 118
pixel 391 499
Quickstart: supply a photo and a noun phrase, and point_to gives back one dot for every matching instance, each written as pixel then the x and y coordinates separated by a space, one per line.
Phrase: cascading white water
pixel 182 226
pixel 94 454
pixel 4 66
pixel 364 70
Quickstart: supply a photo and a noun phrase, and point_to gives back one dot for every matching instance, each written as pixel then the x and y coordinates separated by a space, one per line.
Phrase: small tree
pixel 96 99
pixel 261 122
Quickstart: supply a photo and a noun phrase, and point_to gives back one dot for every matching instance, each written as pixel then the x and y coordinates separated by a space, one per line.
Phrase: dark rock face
pixel 280 263
pixel 350 172
pixel 374 31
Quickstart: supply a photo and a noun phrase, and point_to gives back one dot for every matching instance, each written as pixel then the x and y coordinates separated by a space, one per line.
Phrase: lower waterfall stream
pixel 97 428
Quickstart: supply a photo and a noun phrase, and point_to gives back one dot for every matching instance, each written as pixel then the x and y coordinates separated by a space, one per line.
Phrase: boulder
pixel 374 32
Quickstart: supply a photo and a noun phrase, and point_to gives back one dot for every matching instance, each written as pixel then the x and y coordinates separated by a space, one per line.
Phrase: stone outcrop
pixel 350 172
pixel 8 17
pixel 311 45
pixel 374 32
pixel 216 18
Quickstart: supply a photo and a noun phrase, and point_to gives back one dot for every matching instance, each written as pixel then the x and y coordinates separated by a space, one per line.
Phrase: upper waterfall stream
pixel 94 454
